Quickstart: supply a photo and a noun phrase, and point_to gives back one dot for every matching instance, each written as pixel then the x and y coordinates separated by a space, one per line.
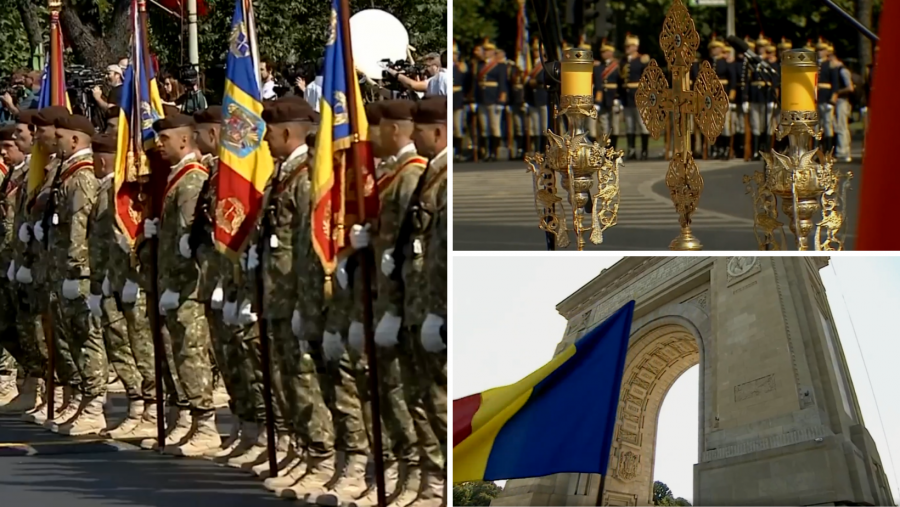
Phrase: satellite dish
pixel 376 35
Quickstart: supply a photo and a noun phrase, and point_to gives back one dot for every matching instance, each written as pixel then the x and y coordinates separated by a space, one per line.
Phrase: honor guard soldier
pixel 536 96
pixel 845 93
pixel 491 90
pixel 518 108
pixel 632 67
pixel 607 81
pixel 726 74
pixel 742 120
pixel 459 102
pixel 829 84
pixel 758 99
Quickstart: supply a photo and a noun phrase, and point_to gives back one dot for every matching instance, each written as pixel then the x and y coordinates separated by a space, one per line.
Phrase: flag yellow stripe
pixel 257 167
pixel 498 406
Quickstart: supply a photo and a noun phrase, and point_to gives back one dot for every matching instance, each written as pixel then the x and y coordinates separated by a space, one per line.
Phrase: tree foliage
pixel 662 495
pixel 798 20
pixel 475 493
pixel 290 31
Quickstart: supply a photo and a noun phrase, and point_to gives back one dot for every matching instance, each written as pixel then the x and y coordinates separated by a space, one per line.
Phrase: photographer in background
pixel 192 100
pixel 19 96
pixel 114 77
pixel 266 72
pixel 313 90
pixel 437 82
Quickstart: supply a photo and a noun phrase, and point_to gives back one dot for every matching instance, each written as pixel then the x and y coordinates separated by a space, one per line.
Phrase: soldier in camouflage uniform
pixel 400 178
pixel 12 163
pixel 30 396
pixel 38 308
pixel 428 300
pixel 103 302
pixel 76 188
pixel 179 278
pixel 302 410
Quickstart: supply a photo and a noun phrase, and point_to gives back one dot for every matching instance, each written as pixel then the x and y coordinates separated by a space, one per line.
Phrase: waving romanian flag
pixel 53 93
pixel 245 164
pixel 140 106
pixel 503 433
pixel 332 187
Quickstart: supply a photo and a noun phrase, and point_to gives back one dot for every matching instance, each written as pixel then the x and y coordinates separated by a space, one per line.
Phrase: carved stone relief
pixel 739 268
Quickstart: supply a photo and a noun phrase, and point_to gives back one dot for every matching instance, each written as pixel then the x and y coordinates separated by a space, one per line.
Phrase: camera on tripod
pixel 79 77
pixel 188 76
pixel 411 70
pixel 15 90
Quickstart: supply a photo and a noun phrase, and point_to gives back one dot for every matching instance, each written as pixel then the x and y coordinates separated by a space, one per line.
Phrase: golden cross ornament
pixel 706 106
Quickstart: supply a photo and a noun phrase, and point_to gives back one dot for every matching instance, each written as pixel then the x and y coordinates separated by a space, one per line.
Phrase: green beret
pixel 8 133
pixel 373 113
pixel 104 143
pixel 47 117
pixel 212 114
pixel 173 122
pixel 288 109
pixel 431 110
pixel 77 123
pixel 397 110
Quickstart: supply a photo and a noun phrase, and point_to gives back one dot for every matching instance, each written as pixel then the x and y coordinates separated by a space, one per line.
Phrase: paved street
pixel 40 468
pixel 493 208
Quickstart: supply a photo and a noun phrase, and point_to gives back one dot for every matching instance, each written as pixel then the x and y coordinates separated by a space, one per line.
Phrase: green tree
pixel 475 493
pixel 16 52
pixel 662 495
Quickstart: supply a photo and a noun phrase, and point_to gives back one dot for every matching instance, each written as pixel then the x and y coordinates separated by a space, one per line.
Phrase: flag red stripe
pixel 234 188
pixel 877 190
pixel 464 410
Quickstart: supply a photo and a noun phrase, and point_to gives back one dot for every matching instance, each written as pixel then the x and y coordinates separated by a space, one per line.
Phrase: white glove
pixel 296 324
pixel 356 336
pixel 129 292
pixel 273 242
pixel 245 314
pixel 94 304
pixel 184 247
pixel 151 227
pixel 745 107
pixel 617 105
pixel 218 297
pixel 11 272
pixel 431 333
pixel 732 106
pixel 70 289
pixel 387 262
pixel 252 258
pixel 25 233
pixel 38 231
pixel 168 301
pixel 359 236
pixel 229 313
pixel 771 106
pixel 244 261
pixel 105 287
pixel 23 275
pixel 343 281
pixel 332 346
pixel 387 331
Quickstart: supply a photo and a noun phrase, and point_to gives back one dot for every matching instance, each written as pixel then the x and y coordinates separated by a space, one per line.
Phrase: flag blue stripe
pixel 568 421
pixel 240 69
pixel 334 81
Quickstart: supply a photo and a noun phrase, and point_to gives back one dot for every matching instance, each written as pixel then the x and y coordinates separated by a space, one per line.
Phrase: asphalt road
pixel 493 208
pixel 40 468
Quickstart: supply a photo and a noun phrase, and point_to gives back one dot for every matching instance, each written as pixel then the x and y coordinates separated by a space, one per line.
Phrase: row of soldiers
pixel 496 101
pixel 74 277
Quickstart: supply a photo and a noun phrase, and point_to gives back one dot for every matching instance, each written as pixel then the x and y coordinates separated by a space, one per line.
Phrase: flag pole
pixel 159 351
pixel 366 261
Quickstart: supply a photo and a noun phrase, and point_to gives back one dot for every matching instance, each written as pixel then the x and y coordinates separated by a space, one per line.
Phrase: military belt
pixel 825 86
pixel 723 81
pixel 759 83
pixel 489 84
pixel 457 89
pixel 632 85
pixel 610 85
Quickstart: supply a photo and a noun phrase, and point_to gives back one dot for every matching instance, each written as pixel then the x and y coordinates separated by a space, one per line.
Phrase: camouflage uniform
pixel 68 247
pixel 114 324
pixel 293 373
pixel 13 349
pixel 404 172
pixel 187 325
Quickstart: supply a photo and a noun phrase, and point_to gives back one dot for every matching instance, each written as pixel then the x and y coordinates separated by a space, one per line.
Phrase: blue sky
pixel 505 329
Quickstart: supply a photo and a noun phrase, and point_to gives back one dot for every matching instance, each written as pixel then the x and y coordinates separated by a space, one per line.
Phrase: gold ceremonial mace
pixel 707 101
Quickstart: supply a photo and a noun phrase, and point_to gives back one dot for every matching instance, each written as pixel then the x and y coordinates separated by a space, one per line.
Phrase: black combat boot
pixel 613 141
pixel 520 147
pixel 484 149
pixel 645 140
pixel 755 145
pixel 631 154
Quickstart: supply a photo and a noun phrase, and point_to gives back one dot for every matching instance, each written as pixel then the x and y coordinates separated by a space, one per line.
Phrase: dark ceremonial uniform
pixel 536 96
pixel 607 81
pixel 631 69
pixel 459 101
pixel 491 89
pixel 829 84
pixel 759 92
pixel 518 107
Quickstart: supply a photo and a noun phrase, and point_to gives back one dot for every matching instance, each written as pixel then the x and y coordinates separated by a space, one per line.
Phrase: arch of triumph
pixel 779 421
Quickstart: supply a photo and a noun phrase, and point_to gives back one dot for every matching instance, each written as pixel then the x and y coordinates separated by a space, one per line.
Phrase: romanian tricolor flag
pixel 332 187
pixel 53 93
pixel 544 424
pixel 245 164
pixel 140 106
